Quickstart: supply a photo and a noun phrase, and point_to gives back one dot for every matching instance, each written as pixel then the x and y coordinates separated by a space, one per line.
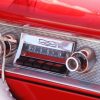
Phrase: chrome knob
pixel 81 61
pixel 10 46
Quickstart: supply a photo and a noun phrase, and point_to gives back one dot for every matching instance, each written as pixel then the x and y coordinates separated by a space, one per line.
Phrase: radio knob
pixel 10 46
pixel 81 61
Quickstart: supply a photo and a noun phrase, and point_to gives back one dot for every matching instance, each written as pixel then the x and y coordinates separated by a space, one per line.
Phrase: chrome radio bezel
pixel 46 42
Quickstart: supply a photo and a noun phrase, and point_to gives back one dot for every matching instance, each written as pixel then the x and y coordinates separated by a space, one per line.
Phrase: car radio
pixel 53 55
pixel 44 53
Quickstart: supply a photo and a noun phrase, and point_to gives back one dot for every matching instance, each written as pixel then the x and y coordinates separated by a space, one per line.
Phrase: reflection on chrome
pixel 81 61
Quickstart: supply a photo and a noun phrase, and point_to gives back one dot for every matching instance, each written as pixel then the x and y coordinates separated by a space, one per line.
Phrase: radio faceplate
pixel 45 46
pixel 49 54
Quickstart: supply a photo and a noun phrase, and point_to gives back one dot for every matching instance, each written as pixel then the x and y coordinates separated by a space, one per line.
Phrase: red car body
pixel 77 16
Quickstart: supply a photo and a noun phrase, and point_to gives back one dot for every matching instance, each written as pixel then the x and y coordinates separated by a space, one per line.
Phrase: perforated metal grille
pixel 93 76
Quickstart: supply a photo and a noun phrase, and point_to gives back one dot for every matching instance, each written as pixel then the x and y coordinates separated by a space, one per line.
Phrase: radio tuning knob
pixel 10 46
pixel 81 61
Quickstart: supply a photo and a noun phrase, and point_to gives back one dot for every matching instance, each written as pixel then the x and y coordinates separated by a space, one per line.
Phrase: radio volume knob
pixel 81 61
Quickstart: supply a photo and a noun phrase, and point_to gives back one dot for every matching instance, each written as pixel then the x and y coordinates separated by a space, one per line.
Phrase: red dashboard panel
pixel 31 91
pixel 80 13
pixel 79 17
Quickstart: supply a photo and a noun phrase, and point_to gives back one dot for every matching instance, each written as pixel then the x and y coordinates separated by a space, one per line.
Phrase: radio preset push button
pixel 47 66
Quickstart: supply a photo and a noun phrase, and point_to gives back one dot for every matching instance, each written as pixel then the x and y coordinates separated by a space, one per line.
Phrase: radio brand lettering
pixel 48 43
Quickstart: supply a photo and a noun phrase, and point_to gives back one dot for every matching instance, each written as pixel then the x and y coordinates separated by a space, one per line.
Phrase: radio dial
pixel 10 46
pixel 81 61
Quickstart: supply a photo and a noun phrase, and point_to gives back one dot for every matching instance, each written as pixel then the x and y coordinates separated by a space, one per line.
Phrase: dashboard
pixel 53 56
pixel 52 47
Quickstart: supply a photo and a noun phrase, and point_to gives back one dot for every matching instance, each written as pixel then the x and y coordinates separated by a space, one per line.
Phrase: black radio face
pixel 46 49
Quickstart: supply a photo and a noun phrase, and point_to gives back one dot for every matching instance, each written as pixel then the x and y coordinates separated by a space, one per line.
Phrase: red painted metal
pixel 80 12
pixel 29 91
pixel 79 16
pixel 50 84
